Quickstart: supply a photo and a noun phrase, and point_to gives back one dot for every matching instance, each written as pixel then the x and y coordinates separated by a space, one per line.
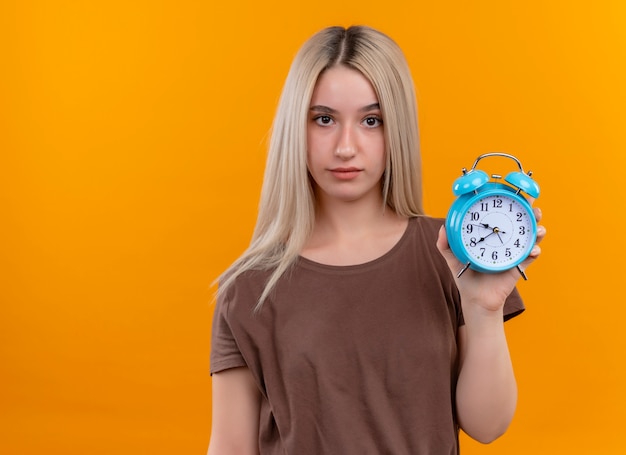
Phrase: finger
pixel 534 254
pixel 444 248
pixel 442 241
pixel 541 233
pixel 538 213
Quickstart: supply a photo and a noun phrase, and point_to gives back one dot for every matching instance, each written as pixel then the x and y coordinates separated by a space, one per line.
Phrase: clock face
pixel 497 231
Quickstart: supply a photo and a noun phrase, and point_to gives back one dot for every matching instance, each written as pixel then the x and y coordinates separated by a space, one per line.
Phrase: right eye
pixel 323 120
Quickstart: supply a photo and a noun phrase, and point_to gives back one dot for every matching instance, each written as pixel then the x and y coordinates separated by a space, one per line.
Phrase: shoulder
pixel 429 222
pixel 419 244
pixel 241 289
pixel 425 227
pixel 422 248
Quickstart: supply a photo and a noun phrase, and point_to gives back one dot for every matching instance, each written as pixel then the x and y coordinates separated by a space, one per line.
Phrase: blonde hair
pixel 287 207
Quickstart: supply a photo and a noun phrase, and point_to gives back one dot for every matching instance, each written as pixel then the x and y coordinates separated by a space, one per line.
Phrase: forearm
pixel 235 419
pixel 486 394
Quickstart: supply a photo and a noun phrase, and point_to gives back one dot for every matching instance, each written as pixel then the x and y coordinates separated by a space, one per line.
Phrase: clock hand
pixel 494 230
pixel 497 231
pixel 483 238
pixel 481 225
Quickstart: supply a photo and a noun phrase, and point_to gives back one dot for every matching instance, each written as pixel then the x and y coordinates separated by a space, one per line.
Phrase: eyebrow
pixel 330 110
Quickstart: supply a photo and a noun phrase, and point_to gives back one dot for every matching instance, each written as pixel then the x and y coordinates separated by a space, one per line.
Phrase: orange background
pixel 132 142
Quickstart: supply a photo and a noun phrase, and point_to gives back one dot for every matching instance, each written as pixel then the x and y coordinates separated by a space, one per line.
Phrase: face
pixel 345 138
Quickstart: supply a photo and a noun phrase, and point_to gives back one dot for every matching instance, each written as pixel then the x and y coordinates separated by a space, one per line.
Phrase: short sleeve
pixel 513 305
pixel 225 353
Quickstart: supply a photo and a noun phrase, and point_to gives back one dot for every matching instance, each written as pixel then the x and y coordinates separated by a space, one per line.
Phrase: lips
pixel 345 173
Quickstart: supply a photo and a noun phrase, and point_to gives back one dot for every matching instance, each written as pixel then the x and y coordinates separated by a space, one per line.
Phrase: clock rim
pixel 456 214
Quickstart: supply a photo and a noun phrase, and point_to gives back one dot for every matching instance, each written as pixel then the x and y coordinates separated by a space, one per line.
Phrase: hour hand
pixel 482 239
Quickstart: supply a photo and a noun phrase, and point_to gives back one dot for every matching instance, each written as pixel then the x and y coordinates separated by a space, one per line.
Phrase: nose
pixel 346 146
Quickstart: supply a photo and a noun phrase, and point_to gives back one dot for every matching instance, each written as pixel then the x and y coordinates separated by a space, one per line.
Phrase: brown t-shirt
pixel 352 359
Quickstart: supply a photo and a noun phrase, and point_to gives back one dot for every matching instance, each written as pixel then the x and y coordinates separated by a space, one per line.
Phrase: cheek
pixel 382 152
pixel 313 166
pixel 309 150
pixel 315 151
pixel 310 159
pixel 312 146
pixel 378 141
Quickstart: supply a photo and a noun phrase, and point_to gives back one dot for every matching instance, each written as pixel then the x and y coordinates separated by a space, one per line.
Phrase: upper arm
pixel 461 342
pixel 235 420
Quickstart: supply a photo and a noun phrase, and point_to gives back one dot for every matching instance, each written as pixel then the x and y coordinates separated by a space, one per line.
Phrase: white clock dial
pixel 497 230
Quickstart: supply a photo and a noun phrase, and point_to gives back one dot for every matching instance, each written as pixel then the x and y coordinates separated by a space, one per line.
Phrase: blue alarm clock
pixel 491 226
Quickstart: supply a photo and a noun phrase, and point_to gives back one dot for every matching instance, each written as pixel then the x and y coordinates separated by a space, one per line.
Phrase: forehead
pixel 345 86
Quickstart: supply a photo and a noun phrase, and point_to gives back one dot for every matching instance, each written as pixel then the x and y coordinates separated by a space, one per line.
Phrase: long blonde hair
pixel 287 207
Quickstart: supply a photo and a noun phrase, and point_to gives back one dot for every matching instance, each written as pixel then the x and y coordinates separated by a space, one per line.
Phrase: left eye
pixel 372 122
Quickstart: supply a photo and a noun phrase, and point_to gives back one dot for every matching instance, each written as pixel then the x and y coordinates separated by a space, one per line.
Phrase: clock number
pixel 519 216
pixel 494 255
pixel 497 203
pixel 517 243
pixel 482 252
pixel 522 230
pixel 507 253
pixel 484 207
pixel 469 228
pixel 475 216
pixel 511 207
pixel 473 241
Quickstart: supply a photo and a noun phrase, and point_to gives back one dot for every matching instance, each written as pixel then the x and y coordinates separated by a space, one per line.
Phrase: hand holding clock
pixel 503 208
pixel 487 290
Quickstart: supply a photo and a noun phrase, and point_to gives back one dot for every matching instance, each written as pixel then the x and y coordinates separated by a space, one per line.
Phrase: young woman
pixel 341 329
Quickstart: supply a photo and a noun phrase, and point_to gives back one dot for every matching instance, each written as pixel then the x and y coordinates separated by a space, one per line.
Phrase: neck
pixel 352 218
pixel 353 233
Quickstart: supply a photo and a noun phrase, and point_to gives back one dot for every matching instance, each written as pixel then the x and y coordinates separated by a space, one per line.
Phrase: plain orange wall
pixel 132 142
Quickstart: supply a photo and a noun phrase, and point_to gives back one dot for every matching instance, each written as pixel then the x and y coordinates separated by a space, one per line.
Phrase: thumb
pixel 444 247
